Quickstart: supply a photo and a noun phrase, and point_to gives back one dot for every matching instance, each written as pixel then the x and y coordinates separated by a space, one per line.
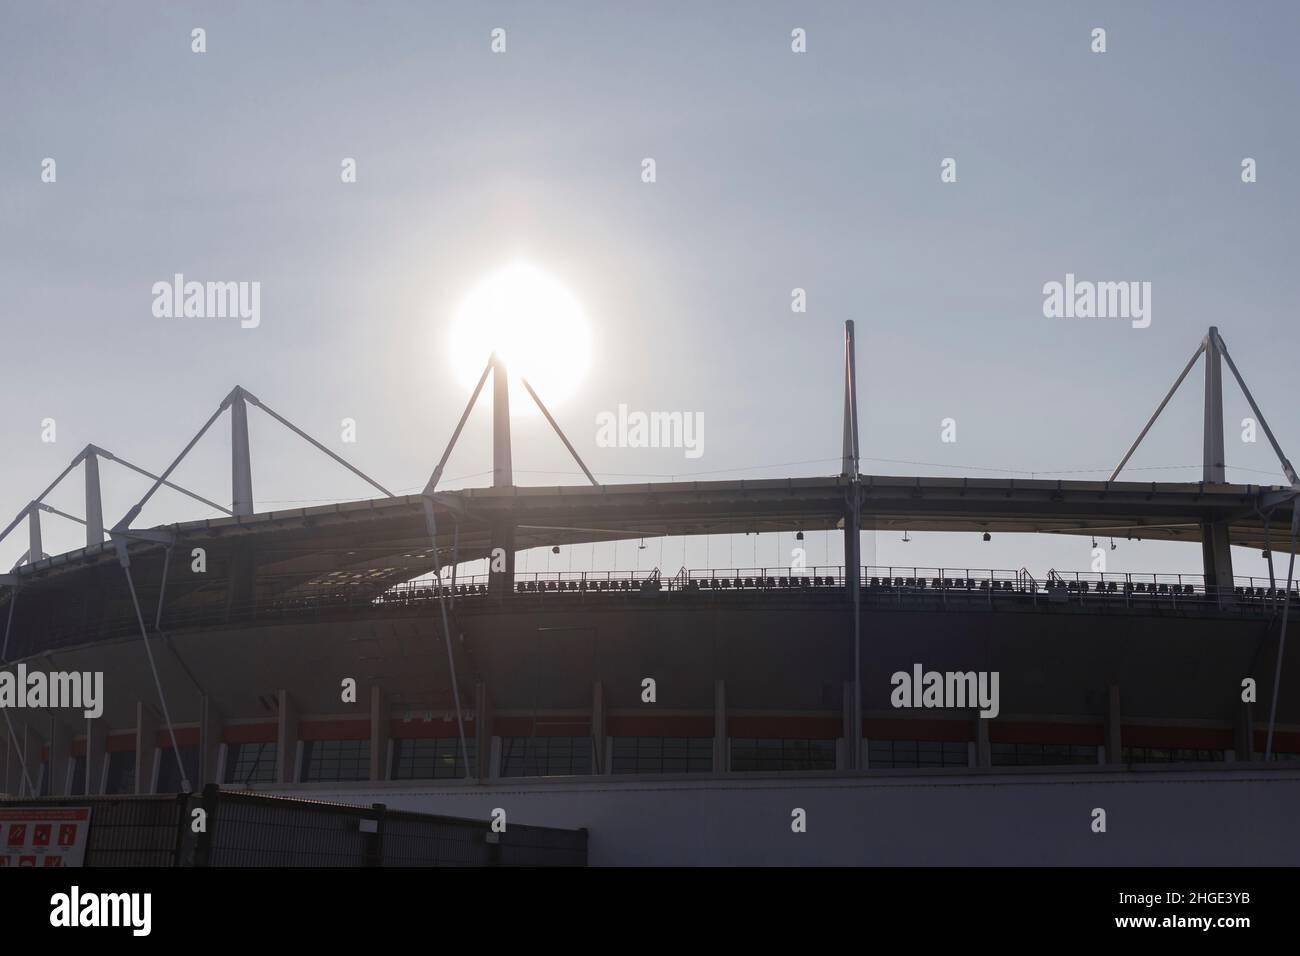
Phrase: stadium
pixel 687 715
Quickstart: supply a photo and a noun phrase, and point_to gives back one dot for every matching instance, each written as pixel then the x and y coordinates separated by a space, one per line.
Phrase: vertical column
pixel 12 773
pixel 241 466
pixel 146 741
pixel 96 738
pixel 1216 547
pixel 721 746
pixel 1244 732
pixel 60 749
pixel 94 501
pixel 286 741
pixel 598 728
pixel 34 549
pixel 502 583
pixel 853 743
pixel 1114 734
pixel 483 730
pixel 1212 444
pixel 983 749
pixel 502 471
pixel 33 744
pixel 210 728
pixel 378 734
pixel 852 535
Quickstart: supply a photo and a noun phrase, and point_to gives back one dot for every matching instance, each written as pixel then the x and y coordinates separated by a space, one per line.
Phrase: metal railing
pixel 921 586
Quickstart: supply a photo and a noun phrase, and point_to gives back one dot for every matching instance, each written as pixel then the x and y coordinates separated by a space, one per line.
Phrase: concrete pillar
pixel 210 730
pixel 846 731
pixel 32 744
pixel 94 502
pixel 502 583
pixel 34 546
pixel 1216 550
pixel 502 470
pixel 286 741
pixel 1212 445
pixel 720 749
pixel 11 771
pixel 241 469
pixel 983 749
pixel 1114 737
pixel 598 728
pixel 146 740
pixel 60 757
pixel 378 735
pixel 96 738
pixel 1244 732
pixel 483 730
pixel 1216 555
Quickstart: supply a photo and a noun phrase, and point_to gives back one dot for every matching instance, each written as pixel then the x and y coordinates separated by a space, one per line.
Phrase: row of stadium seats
pixel 427 594
pixel 613 584
pixel 942 584
pixel 1265 593
pixel 801 582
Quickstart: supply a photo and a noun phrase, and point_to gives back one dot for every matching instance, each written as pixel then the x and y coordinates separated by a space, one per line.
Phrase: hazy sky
pixel 775 170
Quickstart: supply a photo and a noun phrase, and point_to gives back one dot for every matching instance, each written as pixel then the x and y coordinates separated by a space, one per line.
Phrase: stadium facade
pixel 690 716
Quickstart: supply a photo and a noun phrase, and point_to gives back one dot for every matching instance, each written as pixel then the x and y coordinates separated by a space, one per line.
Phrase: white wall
pixel 1154 816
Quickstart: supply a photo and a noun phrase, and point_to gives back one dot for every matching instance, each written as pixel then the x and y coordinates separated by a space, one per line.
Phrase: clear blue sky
pixel 775 171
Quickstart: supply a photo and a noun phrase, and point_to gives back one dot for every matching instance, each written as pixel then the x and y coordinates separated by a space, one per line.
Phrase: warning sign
pixel 43 836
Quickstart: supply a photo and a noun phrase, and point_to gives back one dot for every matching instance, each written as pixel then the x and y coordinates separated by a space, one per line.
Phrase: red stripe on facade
pixel 118 743
pixel 1283 742
pixel 676 726
pixel 541 727
pixel 1210 738
pixel 334 729
pixel 249 733
pixel 426 729
pixel 185 737
pixel 812 728
pixel 903 729
pixel 1053 733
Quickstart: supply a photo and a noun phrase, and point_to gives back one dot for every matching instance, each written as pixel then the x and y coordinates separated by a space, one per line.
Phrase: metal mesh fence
pixel 248 829
pixel 126 831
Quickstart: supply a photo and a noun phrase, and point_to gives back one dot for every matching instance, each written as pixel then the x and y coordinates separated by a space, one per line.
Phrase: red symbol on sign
pixel 27 861
pixel 67 834
pixel 4 861
pixel 54 861
pixel 41 834
pixel 17 834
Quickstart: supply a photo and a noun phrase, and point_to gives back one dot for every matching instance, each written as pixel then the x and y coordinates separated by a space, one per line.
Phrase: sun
pixel 533 322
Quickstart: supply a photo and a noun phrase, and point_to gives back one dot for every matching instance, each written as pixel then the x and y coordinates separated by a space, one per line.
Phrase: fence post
pixel 182 827
pixel 375 837
pixel 203 845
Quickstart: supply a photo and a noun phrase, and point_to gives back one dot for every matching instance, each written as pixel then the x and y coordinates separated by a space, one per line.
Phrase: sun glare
pixel 533 323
